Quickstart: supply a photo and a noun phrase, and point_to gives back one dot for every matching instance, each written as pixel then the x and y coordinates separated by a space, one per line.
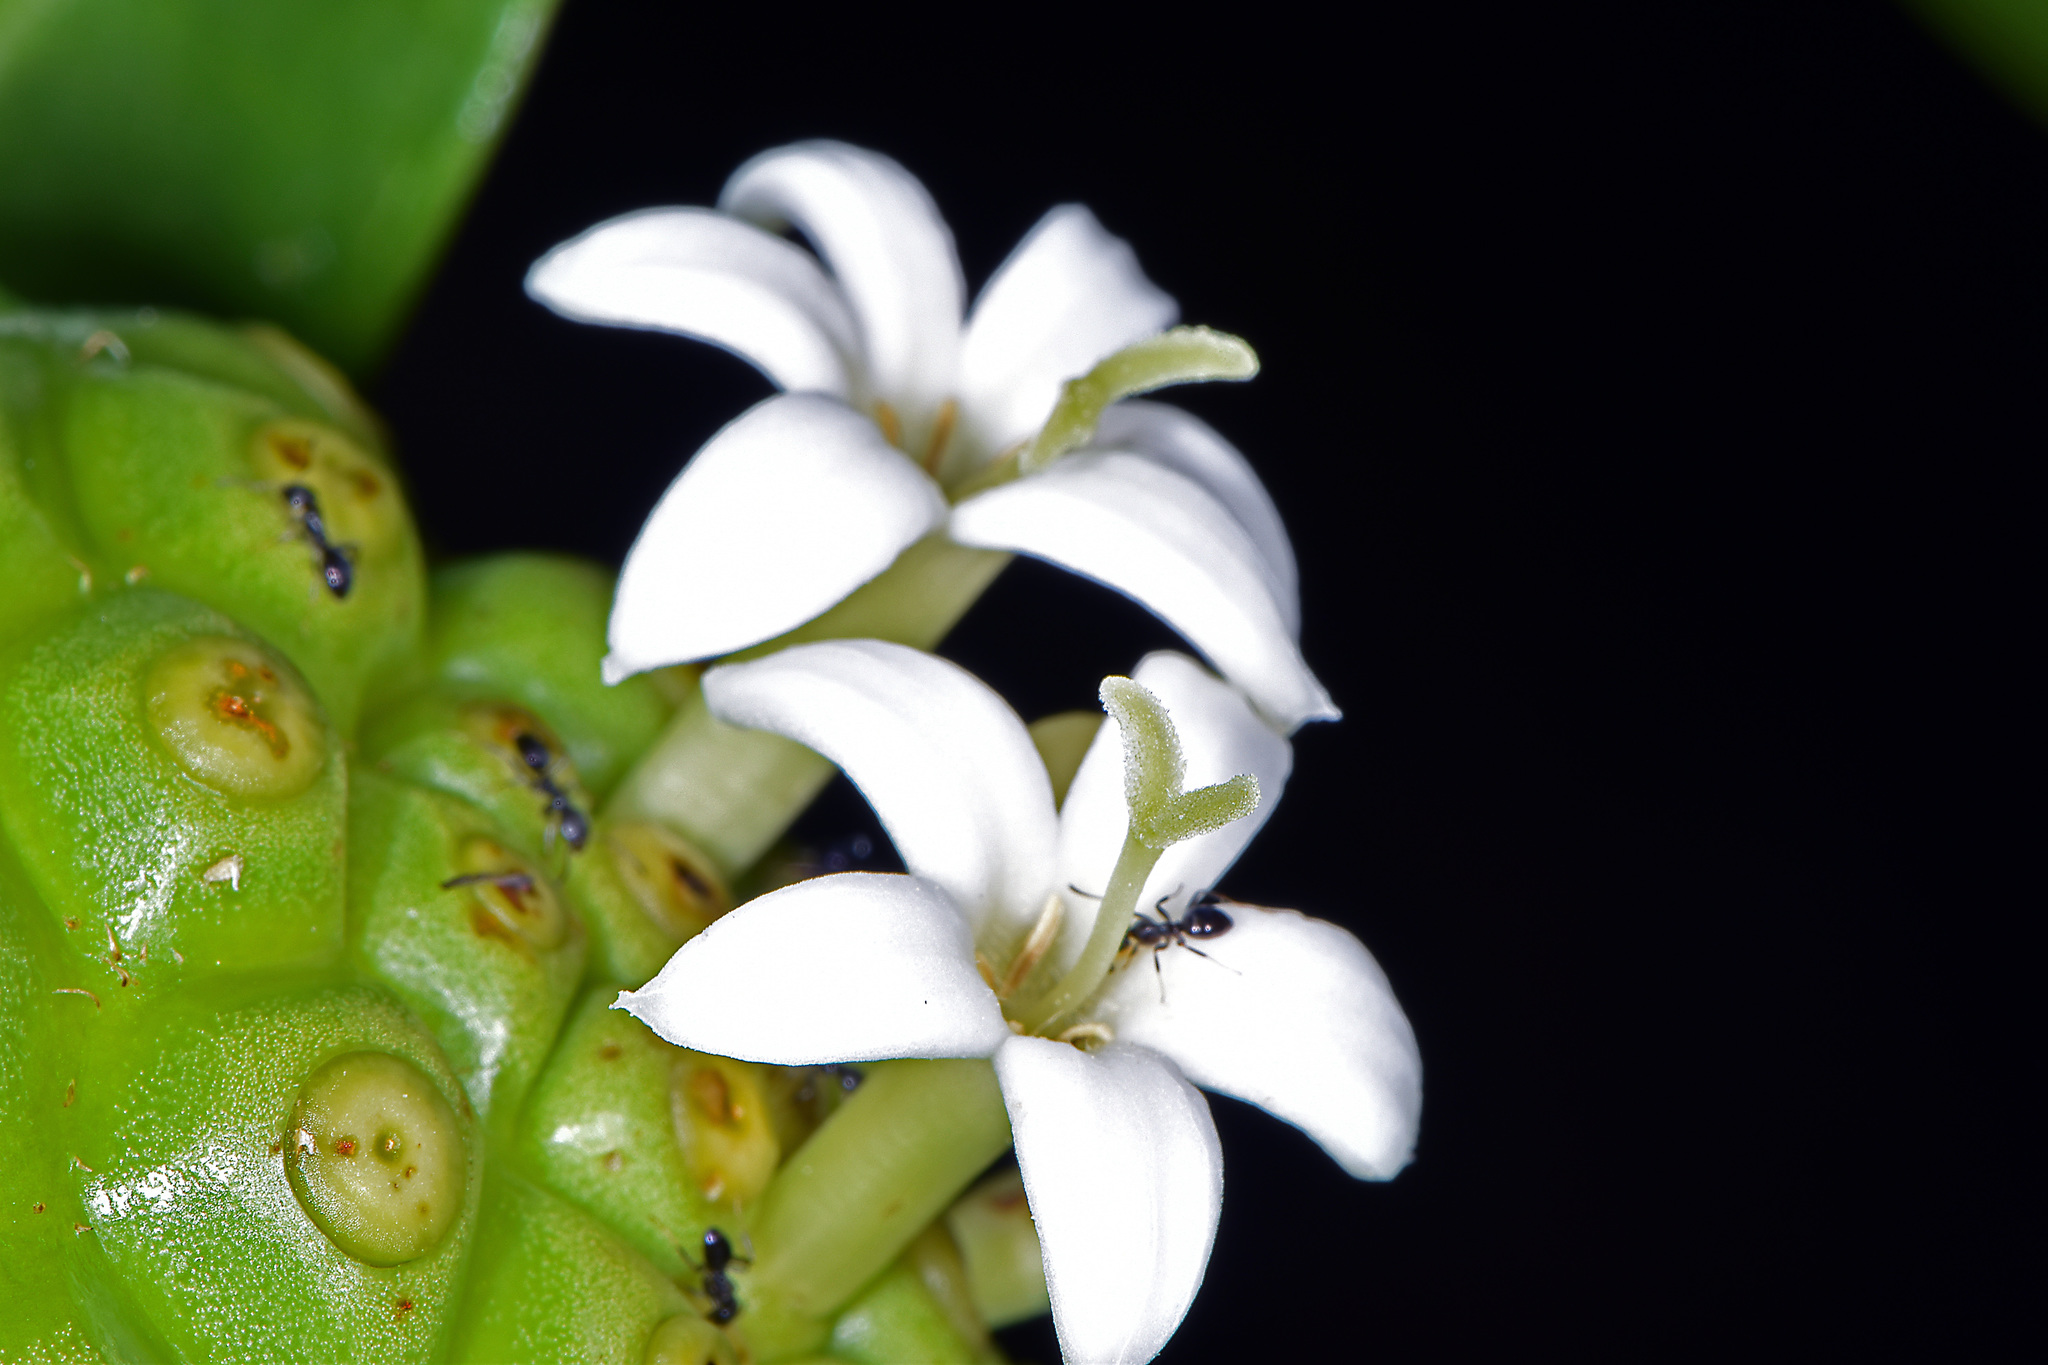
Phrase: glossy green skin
pixel 551 1283
pixel 897 1318
pixel 605 1095
pixel 85 783
pixel 531 628
pixel 299 162
pixel 178 1138
pixel 142 470
pixel 41 1322
pixel 493 1000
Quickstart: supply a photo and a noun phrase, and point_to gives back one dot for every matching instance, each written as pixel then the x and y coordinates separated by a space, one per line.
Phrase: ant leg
pixel 1156 972
pixel 1205 957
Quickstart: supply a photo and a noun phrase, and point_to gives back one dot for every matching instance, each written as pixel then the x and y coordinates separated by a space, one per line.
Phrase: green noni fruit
pixel 311 915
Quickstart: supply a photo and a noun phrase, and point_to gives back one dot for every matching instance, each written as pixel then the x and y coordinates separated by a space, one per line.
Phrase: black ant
pixel 574 827
pixel 1203 920
pixel 335 570
pixel 717 1286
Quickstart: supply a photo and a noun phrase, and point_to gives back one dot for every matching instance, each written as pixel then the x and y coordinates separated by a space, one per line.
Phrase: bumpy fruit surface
pixel 311 915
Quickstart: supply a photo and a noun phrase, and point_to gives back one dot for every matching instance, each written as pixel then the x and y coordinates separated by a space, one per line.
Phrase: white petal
pixel 1293 1015
pixel 1221 736
pixel 1125 1179
pixel 1159 538
pixel 1186 444
pixel 787 510
pixel 712 277
pixel 855 967
pixel 946 764
pixel 1069 295
pixel 892 254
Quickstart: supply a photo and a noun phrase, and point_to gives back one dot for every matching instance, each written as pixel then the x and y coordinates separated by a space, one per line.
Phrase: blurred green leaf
pixel 2007 39
pixel 302 162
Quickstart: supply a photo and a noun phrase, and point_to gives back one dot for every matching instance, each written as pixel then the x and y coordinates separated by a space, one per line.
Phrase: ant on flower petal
pixel 1204 919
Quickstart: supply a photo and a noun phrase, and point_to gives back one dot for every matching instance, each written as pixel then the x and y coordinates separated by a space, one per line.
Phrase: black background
pixel 1642 389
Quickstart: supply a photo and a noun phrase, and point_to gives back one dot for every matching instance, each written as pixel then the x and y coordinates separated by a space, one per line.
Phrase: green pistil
pixel 1119 906
pixel 1181 355
pixel 1162 815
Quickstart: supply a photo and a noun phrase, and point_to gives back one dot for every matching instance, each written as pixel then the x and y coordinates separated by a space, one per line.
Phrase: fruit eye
pixel 234 720
pixel 376 1159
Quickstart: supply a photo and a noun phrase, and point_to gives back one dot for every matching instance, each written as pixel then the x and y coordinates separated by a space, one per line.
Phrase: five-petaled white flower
pixel 1119 1154
pixel 897 421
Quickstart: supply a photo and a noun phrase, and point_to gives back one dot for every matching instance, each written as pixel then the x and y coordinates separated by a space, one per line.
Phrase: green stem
pixel 732 792
pixel 888 1162
pixel 1112 920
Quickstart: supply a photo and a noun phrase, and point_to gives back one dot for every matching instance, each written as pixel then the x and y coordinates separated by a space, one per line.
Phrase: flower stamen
pixel 1035 946
pixel 1102 1035
pixel 942 432
pixel 889 422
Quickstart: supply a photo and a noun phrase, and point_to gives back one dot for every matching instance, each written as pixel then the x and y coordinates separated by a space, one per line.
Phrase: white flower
pixel 897 417
pixel 1119 1154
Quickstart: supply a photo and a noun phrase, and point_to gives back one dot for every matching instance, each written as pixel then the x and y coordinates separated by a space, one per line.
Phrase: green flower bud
pixel 991 1224
pixel 916 1310
pixel 464 928
pixel 531 628
pixel 551 1283
pixel 376 1157
pixel 173 794
pixel 225 1236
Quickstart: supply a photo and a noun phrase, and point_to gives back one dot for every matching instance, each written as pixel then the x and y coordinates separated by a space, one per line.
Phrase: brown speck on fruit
pixel 81 1165
pixel 712 1095
pixel 78 990
pixel 277 1147
pixel 614 1163
pixel 411 1171
pixel 345 1146
pixel 70 1094
pixel 487 925
pixel 236 709
pixel 37 1207
pixel 77 1228
pixel 136 573
pixel 123 971
pixel 401 1308
pixel 609 1052
pixel 391 1144
pixel 423 1208
pixel 367 485
pixel 70 924
pixel 293 450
